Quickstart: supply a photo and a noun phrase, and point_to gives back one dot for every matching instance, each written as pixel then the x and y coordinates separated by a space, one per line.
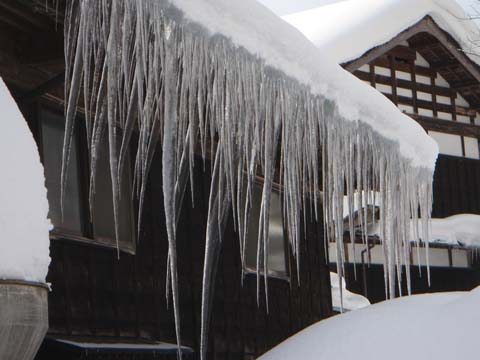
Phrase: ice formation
pixel 250 92
pixel 24 227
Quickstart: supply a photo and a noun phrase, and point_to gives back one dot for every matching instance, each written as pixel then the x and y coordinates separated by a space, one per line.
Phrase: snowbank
pixel 347 29
pixel 254 27
pixel 351 301
pixel 440 326
pixel 24 227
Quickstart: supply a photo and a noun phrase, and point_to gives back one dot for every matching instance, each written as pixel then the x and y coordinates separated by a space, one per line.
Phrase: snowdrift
pixel 24 227
pixel 439 326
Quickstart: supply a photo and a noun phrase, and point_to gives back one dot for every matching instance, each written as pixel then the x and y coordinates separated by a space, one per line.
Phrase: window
pixel 278 244
pixel 52 131
pixel 103 219
pixel 77 223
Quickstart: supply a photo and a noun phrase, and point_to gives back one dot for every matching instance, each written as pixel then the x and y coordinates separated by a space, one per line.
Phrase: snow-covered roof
pixel 345 300
pixel 24 227
pixel 348 29
pixel 461 229
pixel 440 326
pixel 252 26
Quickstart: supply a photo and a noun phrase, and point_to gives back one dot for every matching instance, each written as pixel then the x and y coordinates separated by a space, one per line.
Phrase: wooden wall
pixel 95 294
pixel 442 279
pixel 456 186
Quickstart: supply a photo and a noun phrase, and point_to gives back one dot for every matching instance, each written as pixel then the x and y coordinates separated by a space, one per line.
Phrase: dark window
pixel 103 219
pixel 52 130
pixel 277 248
pixel 77 222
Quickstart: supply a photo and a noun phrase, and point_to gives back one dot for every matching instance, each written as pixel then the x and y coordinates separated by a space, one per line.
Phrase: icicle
pixel 146 70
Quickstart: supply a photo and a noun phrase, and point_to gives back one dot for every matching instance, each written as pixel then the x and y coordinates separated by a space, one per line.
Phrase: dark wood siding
pixel 95 294
pixel 442 279
pixel 456 186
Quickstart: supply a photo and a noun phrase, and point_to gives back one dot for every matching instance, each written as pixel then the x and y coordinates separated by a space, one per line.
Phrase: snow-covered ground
pixel 347 29
pixel 441 326
pixel 351 301
pixel 24 227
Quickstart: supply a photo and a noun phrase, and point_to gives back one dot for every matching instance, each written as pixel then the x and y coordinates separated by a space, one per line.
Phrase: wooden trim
pixel 374 53
pixel 427 25
pixel 385 80
pixel 393 75
pixel 24 283
pixel 446 126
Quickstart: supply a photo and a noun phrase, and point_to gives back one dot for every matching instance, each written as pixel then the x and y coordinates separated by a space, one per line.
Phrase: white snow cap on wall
pixel 346 300
pixel 348 29
pixel 24 227
pixel 286 49
pixel 441 326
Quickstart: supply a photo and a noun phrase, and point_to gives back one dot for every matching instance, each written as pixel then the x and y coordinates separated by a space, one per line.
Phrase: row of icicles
pixel 136 65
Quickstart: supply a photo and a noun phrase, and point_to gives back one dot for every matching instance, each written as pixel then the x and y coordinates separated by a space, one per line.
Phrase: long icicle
pixel 143 68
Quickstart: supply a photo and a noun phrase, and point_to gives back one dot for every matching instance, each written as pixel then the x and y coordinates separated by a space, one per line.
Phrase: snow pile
pixel 441 326
pixel 348 29
pixel 461 229
pixel 239 84
pixel 344 300
pixel 24 227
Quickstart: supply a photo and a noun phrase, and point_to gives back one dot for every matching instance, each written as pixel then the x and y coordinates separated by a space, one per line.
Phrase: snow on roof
pixel 441 326
pixel 351 301
pixel 252 26
pixel 461 229
pixel 348 29
pixel 24 227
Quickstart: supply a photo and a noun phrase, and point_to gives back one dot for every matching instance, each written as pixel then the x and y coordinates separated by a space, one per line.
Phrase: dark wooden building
pixel 106 304
pixel 427 74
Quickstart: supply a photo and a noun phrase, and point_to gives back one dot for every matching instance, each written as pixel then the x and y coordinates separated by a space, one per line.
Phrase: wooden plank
pixel 446 126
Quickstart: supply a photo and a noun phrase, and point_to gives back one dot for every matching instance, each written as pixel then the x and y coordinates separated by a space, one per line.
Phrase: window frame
pixel 83 168
pixel 248 272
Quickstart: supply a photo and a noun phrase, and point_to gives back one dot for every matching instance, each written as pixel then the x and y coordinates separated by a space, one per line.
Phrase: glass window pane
pixel 103 219
pixel 52 131
pixel 276 260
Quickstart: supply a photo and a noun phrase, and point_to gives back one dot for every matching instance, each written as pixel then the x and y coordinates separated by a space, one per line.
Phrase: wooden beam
pixel 25 14
pixel 44 88
pixel 386 80
pixel 474 85
pixel 443 65
pixel 374 53
pixel 450 127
